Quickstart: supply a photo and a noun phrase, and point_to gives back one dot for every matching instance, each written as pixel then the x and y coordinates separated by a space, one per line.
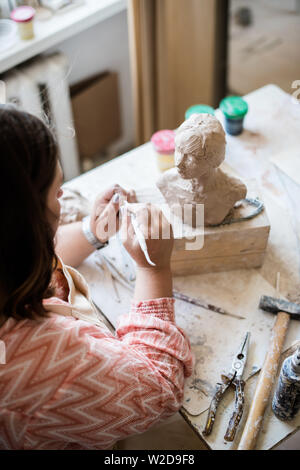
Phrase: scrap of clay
pixel 74 206
pixel 199 151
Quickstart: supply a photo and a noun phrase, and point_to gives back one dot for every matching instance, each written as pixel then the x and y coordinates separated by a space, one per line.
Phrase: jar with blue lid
pixel 234 109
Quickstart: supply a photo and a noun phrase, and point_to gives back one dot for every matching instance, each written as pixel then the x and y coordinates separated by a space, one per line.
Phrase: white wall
pixel 286 5
pixel 99 48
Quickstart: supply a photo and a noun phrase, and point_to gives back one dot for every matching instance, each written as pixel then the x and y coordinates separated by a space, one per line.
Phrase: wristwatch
pixel 86 229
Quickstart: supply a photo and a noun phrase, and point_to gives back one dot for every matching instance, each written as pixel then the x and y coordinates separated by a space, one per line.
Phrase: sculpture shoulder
pixel 228 189
pixel 169 175
pixel 172 178
pixel 175 189
pixel 235 185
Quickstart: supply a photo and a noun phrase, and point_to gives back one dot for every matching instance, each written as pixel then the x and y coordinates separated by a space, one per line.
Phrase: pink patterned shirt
pixel 71 384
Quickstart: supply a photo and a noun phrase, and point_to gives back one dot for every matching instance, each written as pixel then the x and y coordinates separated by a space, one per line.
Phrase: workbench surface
pixel 272 127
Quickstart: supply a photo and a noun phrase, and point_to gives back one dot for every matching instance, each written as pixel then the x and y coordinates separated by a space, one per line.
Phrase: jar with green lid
pixel 234 109
pixel 199 109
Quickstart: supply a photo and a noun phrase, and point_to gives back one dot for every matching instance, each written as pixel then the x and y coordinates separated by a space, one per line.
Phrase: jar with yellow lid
pixel 164 145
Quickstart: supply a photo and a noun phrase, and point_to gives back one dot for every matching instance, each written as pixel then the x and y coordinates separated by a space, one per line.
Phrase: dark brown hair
pixel 28 160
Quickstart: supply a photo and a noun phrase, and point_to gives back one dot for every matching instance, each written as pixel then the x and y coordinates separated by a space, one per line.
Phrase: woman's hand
pixel 152 282
pixel 157 232
pixel 105 213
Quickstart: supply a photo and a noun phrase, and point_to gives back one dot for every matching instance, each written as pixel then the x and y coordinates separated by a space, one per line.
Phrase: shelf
pixel 59 27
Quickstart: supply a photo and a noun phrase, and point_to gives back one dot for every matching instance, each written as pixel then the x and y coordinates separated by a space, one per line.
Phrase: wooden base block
pixel 223 248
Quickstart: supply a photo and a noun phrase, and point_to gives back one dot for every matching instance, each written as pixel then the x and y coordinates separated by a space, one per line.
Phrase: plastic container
pixel 23 16
pixel 164 145
pixel 199 109
pixel 8 34
pixel 286 401
pixel 234 109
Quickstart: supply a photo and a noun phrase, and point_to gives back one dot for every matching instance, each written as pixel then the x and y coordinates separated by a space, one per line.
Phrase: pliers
pixel 234 377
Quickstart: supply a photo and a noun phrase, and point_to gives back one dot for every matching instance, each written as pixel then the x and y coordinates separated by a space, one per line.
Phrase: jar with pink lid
pixel 164 145
pixel 23 16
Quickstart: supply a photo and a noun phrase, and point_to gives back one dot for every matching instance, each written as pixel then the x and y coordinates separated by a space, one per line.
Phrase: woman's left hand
pixel 105 213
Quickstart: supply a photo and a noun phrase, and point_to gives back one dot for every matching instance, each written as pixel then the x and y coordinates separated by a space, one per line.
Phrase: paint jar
pixel 234 109
pixel 199 109
pixel 164 145
pixel 23 16
pixel 286 401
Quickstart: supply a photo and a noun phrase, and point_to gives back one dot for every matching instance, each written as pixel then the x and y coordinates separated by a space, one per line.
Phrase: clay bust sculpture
pixel 196 179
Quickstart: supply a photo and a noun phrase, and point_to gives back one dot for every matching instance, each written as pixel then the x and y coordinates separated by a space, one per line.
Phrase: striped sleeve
pixel 150 327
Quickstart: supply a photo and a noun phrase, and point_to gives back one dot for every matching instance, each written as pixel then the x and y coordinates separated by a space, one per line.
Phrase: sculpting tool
pixel 138 232
pixel 106 268
pixel 115 271
pixel 128 263
pixel 177 295
pixel 127 260
pixel 234 377
pixel 117 275
pixel 203 304
pixel 249 201
pixel 285 310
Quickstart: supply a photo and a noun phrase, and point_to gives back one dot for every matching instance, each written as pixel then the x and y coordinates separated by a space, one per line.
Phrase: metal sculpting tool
pixel 234 377
pixel 106 269
pixel 127 260
pixel 119 276
pixel 249 201
pixel 285 311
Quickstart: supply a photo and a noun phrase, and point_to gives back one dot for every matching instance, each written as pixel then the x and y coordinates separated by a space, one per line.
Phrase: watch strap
pixel 86 229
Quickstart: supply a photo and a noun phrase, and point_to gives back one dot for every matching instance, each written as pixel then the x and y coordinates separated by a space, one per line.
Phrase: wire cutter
pixel 234 377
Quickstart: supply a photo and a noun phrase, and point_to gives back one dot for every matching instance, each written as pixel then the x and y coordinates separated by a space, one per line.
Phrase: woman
pixel 68 382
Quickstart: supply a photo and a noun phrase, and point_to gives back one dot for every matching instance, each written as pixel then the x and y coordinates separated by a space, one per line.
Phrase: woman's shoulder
pixel 32 330
pixel 26 337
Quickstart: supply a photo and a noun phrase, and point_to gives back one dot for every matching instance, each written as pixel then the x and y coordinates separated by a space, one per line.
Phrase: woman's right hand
pixel 157 232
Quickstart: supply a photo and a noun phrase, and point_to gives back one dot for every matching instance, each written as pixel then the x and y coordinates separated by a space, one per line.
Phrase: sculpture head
pixel 199 145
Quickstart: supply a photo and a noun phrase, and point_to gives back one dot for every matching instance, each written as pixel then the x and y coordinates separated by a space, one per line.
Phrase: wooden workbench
pixel 272 126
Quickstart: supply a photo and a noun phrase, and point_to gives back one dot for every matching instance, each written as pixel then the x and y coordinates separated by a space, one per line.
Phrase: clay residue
pixel 202 386
pixel 269 185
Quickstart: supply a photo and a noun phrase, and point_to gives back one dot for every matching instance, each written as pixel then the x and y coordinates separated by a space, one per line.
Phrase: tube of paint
pixel 286 400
